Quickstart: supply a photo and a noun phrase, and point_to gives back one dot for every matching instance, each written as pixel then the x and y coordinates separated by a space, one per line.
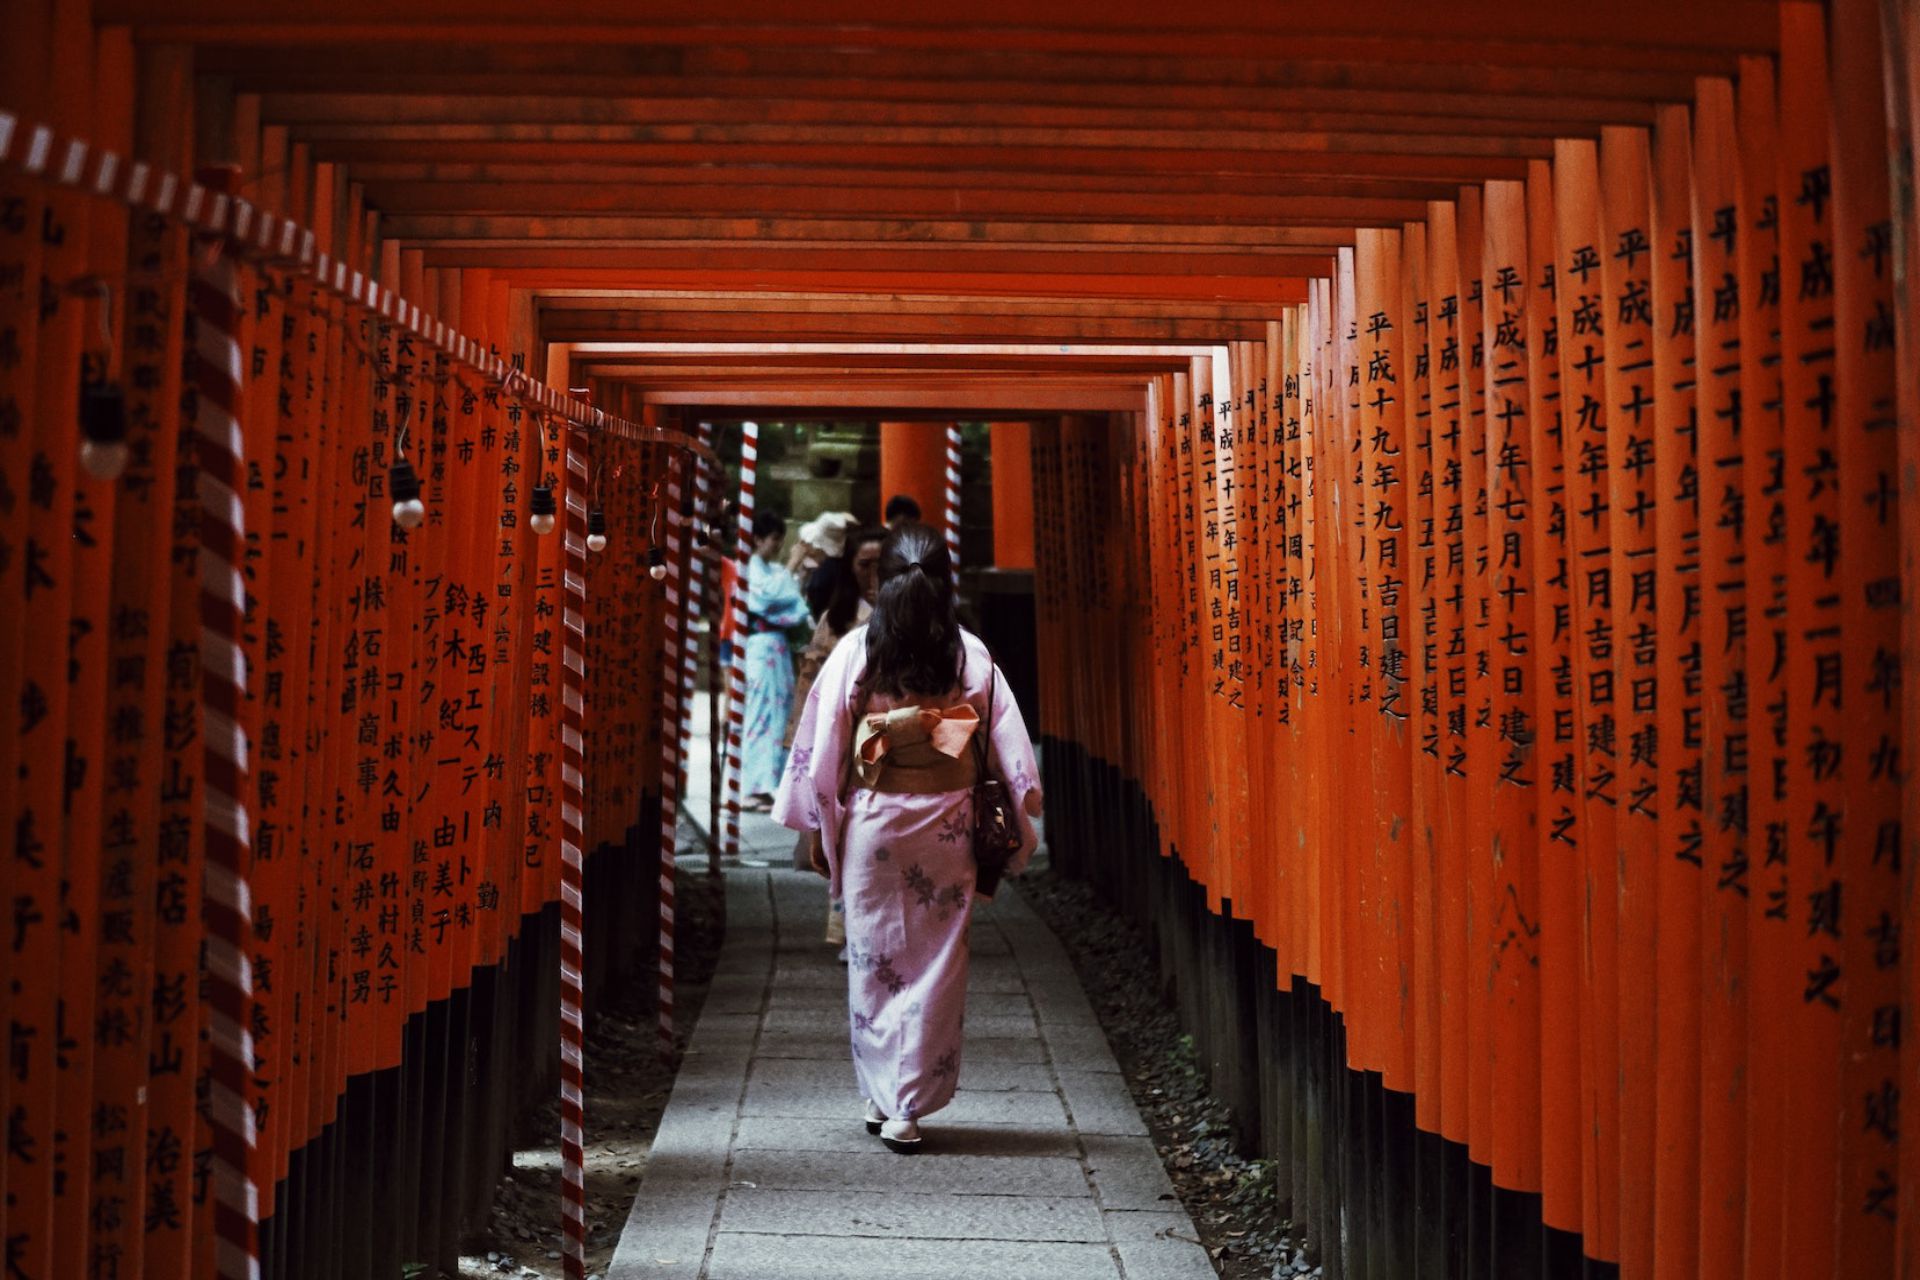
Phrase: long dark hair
pixel 913 637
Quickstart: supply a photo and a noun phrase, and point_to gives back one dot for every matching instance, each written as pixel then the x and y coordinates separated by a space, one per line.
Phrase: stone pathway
pixel 1039 1170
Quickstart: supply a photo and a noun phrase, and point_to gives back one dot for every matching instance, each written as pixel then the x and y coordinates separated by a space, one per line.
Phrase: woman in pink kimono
pixel 882 772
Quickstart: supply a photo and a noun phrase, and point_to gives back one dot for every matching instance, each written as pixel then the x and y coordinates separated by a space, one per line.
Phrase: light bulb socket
pixel 540 508
pixel 103 412
pixel 403 484
pixel 656 557
pixel 597 522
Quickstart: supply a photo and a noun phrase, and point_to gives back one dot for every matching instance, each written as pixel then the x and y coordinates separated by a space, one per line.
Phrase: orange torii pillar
pixel 1012 445
pixel 913 461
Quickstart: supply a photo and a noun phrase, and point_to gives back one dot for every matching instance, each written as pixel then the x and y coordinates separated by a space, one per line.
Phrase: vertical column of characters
pixel 1208 844
pixel 474 434
pixel 1352 869
pixel 327 745
pixel 1679 799
pixel 548 553
pixel 1865 423
pixel 1238 479
pixel 92 902
pixel 1556 777
pixel 1720 444
pixel 1580 318
pixel 1189 664
pixel 573 865
pixel 1387 548
pixel 40 1040
pixel 1514 773
pixel 26 873
pixel 1280 525
pixel 1633 641
pixel 1476 615
pixel 1230 677
pixel 302 388
pixel 373 795
pixel 1322 464
pixel 1421 648
pixel 1254 521
pixel 282 699
pixel 139 588
pixel 514 565
pixel 1449 388
pixel 474 424
pixel 1302 675
pixel 1812 1005
pixel 1757 876
pixel 81 343
pixel 1900 29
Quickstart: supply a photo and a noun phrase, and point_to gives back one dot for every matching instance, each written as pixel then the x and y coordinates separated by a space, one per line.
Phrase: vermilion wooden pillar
pixel 1012 445
pixel 913 461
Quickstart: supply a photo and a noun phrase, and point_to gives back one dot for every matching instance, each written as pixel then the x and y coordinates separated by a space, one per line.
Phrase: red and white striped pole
pixel 688 534
pixel 702 588
pixel 227 910
pixel 670 745
pixel 573 804
pixel 737 692
pixel 953 501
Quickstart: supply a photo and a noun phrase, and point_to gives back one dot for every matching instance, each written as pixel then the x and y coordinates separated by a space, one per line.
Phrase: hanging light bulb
pixel 103 429
pixel 542 509
pixel 403 486
pixel 657 563
pixel 596 531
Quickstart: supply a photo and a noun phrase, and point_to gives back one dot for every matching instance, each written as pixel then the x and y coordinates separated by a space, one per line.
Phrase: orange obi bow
pixel 913 738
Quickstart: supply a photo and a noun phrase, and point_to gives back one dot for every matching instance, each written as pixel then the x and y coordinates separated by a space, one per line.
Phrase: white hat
pixel 828 531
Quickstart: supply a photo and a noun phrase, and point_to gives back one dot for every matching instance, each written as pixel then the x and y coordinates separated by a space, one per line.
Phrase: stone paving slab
pixel 741 1256
pixel 798 1133
pixel 1039 1170
pixel 932 1174
pixel 913 1217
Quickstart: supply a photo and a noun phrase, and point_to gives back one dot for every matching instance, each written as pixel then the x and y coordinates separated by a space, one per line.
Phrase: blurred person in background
pixel 774 604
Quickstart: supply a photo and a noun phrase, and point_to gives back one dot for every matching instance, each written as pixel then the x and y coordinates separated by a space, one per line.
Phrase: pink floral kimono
pixel 903 862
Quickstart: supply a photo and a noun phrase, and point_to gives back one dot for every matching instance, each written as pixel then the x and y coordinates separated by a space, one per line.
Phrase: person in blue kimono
pixel 774 603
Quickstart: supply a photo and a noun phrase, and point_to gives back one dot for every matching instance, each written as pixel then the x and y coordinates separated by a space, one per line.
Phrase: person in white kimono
pixel 882 772
pixel 774 604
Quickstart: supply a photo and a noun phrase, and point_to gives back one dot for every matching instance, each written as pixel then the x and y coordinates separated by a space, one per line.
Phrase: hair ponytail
pixel 913 636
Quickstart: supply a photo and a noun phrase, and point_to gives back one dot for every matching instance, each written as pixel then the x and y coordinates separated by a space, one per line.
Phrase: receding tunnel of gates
pixel 1369 1192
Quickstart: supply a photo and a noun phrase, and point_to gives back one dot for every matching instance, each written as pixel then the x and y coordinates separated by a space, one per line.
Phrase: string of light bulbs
pixel 228 224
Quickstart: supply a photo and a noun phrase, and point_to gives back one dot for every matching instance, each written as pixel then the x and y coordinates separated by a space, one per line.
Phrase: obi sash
pixel 916 750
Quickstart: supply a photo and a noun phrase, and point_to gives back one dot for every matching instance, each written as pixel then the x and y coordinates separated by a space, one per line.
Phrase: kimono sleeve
pixel 775 596
pixel 1014 764
pixel 819 742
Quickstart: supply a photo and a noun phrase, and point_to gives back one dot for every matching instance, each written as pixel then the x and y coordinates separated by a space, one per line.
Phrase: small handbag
pixel 996 830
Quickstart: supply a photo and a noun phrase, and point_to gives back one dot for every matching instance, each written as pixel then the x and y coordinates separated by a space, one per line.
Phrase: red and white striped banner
pixel 573 803
pixel 952 515
pixel 737 684
pixel 670 715
pixel 228 906
pixel 256 235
